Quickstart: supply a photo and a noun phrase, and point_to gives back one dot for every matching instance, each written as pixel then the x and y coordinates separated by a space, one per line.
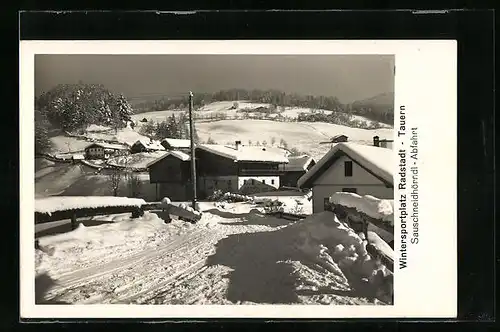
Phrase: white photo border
pixel 425 84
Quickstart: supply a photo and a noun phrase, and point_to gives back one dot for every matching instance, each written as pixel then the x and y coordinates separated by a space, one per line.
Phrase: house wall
pixel 176 191
pixel 170 169
pixel 94 152
pixel 253 184
pixel 209 164
pixel 136 148
pixel 334 180
pixel 208 184
pixel 290 179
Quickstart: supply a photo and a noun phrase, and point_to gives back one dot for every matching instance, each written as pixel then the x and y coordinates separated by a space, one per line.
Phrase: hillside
pixel 244 110
pixel 304 136
pixel 379 103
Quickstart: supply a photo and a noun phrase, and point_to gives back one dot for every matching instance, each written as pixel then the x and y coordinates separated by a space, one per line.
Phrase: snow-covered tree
pixel 74 106
pixel 124 110
pixel 42 142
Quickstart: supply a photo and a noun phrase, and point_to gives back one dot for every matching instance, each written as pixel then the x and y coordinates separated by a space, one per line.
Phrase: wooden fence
pixel 137 211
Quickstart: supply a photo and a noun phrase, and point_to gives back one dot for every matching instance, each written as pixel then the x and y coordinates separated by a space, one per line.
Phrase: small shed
pixel 336 139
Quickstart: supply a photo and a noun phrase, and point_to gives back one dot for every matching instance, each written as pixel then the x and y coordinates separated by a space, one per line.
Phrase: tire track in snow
pixel 91 274
pixel 196 245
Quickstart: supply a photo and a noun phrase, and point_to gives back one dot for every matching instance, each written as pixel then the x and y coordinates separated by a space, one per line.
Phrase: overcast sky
pixel 348 77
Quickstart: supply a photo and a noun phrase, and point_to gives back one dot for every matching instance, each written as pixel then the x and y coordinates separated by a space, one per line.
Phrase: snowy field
pixel 226 107
pixel 305 136
pixel 235 255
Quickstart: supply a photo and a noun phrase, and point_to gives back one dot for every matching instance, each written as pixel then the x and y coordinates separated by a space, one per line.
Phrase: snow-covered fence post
pixel 73 221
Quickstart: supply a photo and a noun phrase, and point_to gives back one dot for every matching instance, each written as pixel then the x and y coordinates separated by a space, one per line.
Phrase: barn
pixel 296 167
pixel 171 174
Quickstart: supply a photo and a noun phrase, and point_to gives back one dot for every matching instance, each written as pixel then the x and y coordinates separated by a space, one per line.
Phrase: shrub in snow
pixel 166 200
pixel 273 206
pixel 183 206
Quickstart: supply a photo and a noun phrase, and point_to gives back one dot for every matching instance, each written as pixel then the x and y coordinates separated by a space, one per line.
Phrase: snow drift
pixel 382 209
pixel 341 254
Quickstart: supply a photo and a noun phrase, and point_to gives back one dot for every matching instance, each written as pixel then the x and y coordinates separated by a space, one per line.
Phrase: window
pixel 326 203
pixel 348 168
pixel 229 182
pixel 215 182
pixel 264 181
pixel 272 181
pixel 350 190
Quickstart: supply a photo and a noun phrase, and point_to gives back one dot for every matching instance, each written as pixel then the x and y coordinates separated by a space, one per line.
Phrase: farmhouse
pixel 104 150
pixel 296 167
pixel 171 174
pixel 176 144
pixel 146 145
pixel 242 168
pixel 350 167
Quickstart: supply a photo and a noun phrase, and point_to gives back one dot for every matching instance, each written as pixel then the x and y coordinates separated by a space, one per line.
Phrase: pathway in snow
pixel 232 256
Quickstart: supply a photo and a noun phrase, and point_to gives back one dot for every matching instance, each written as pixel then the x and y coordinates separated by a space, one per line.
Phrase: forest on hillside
pixel 380 113
pixel 72 107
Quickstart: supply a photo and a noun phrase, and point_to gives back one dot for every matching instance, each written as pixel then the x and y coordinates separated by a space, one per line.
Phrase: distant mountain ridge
pixel 379 103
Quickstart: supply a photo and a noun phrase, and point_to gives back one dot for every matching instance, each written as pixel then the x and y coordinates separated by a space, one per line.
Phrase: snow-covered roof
pixel 177 143
pixel 108 146
pixel 246 153
pixel 150 144
pixel 62 203
pixel 78 156
pixel 177 154
pixel 377 160
pixel 297 163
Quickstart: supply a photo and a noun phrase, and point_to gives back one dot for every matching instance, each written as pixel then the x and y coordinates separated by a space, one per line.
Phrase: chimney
pixel 383 144
pixel 238 144
pixel 376 141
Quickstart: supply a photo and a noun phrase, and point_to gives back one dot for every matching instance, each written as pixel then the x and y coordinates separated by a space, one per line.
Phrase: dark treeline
pixel 276 98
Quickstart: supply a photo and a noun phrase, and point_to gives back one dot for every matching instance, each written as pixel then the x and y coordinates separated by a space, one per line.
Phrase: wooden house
pixel 238 168
pixel 296 167
pixel 105 150
pixel 172 175
pixel 146 145
pixel 350 167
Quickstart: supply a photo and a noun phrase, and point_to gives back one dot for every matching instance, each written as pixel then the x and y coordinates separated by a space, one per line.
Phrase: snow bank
pixel 95 245
pixel 382 209
pixel 58 203
pixel 338 250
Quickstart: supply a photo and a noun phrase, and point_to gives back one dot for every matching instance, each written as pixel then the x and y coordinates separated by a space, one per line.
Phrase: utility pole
pixel 193 161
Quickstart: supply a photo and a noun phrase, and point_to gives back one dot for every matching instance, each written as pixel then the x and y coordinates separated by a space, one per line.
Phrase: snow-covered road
pixel 235 255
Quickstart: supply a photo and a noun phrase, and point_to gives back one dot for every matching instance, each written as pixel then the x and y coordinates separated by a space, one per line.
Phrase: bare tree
pixel 273 141
pixel 115 177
